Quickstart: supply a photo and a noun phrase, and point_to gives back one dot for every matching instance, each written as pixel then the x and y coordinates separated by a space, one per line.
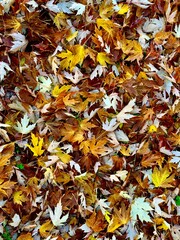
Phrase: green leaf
pixel 20 166
pixel 177 200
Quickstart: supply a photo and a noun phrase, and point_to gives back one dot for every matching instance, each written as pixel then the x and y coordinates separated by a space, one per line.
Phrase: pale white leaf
pixel 19 42
pixel 131 232
pixel 140 3
pixel 24 127
pixel 125 194
pixel 98 71
pixel 177 30
pixel 75 165
pixel 82 34
pixel 4 69
pixel 125 113
pixel 113 139
pixel 55 216
pixel 80 8
pixel 52 159
pixel 155 203
pixel 103 205
pixel 119 174
pixel 85 228
pixel 115 70
pixel 121 136
pixel 52 146
pixel 176 158
pixel 110 101
pixel 75 76
pixel 6 4
pixel 32 5
pixel 96 166
pixel 15 220
pixel 68 148
pixel 21 178
pixel 154 25
pixel 111 125
pixel 60 7
pixel 175 231
pixel 170 16
pixel 140 209
pixel 165 151
pixel 44 83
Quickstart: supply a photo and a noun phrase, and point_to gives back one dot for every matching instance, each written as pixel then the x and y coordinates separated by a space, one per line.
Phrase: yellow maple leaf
pixel 152 129
pixel 102 58
pixel 60 20
pixel 162 224
pixel 124 8
pixel 107 25
pixel 19 197
pixel 162 178
pixel 132 48
pixel 45 229
pixel 72 58
pixel 71 36
pixel 37 145
pixel 106 9
pixel 57 90
pixel 64 157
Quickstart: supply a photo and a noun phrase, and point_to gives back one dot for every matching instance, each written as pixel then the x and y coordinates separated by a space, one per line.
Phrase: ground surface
pixel 89 120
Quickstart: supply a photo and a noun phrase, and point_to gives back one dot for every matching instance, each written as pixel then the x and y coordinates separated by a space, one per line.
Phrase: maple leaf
pixel 123 8
pixel 6 152
pixel 45 229
pixel 44 84
pixel 23 126
pixel 5 186
pixel 55 216
pixel 15 220
pixel 162 178
pixel 96 221
pixel 140 3
pixel 6 4
pixel 140 208
pixel 56 90
pixel 80 8
pixel 107 25
pixel 119 218
pixel 110 126
pixel 4 68
pixel 111 101
pixel 19 197
pixel 125 113
pixel 93 146
pixel 37 145
pixel 102 58
pixel 19 42
pixel 72 58
pixel 26 236
pixel 98 71
pixel 64 157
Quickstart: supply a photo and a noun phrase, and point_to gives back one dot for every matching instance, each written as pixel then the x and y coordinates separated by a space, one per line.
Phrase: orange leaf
pixel 96 221
pixel 119 218
pixel 26 236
